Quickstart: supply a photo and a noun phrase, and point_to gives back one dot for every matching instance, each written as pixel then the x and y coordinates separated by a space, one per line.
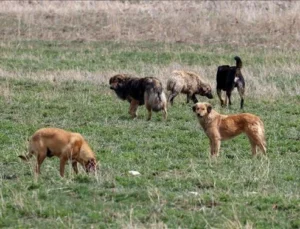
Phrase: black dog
pixel 140 91
pixel 229 77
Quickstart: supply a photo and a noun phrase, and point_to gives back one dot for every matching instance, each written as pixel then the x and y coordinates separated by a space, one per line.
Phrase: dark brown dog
pixel 220 127
pixel 48 142
pixel 188 83
pixel 140 91
pixel 229 77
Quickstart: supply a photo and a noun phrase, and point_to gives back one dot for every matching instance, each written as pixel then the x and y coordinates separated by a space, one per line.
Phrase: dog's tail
pixel 155 95
pixel 239 63
pixel 157 99
pixel 261 134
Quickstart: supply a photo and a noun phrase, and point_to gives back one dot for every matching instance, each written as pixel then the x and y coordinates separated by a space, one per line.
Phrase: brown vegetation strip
pixel 246 23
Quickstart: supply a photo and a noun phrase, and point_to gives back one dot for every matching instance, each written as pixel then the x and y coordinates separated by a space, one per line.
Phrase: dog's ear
pixel 202 91
pixel 194 108
pixel 77 145
pixel 208 108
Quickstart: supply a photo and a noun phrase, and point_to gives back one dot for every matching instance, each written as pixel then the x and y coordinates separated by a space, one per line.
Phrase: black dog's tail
pixel 239 63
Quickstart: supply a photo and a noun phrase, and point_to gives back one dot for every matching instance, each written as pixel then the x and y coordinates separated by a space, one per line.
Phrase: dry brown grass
pixel 264 23
pixel 243 23
pixel 260 81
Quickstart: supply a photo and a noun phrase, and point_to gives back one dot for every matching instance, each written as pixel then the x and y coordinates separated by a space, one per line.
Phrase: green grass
pixel 32 56
pixel 234 191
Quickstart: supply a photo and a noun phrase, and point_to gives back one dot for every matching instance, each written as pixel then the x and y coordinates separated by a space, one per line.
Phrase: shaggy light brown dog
pixel 48 142
pixel 220 127
pixel 140 91
pixel 188 83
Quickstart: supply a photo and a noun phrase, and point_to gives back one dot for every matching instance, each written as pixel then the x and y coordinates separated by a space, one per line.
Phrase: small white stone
pixel 194 193
pixel 134 173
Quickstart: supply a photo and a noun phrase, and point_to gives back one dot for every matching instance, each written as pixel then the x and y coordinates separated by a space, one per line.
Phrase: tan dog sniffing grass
pixel 220 127
pixel 48 142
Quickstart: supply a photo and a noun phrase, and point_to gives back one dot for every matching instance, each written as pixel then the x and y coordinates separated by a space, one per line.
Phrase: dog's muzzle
pixel 210 96
pixel 90 167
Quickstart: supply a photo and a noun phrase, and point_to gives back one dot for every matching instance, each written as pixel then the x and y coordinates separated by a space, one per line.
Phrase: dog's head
pixel 202 109
pixel 86 156
pixel 205 90
pixel 91 166
pixel 116 81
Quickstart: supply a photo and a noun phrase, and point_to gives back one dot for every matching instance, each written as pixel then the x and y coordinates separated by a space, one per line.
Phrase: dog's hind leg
pixel 228 95
pixel 241 91
pixel 219 93
pixel 256 141
pixel 253 137
pixel 172 97
pixel 253 147
pixel 165 113
pixel 148 106
pixel 261 143
pixel 263 148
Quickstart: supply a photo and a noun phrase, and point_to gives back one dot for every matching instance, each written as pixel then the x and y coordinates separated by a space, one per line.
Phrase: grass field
pixel 55 63
pixel 64 84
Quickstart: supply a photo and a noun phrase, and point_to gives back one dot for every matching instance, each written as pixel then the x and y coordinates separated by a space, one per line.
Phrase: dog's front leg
pixel 215 144
pixel 188 98
pixel 40 158
pixel 194 98
pixel 191 95
pixel 62 165
pixel 133 108
pixel 219 93
pixel 172 97
pixel 74 165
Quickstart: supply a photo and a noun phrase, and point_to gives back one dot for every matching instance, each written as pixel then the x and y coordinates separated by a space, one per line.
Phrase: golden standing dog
pixel 48 142
pixel 220 127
